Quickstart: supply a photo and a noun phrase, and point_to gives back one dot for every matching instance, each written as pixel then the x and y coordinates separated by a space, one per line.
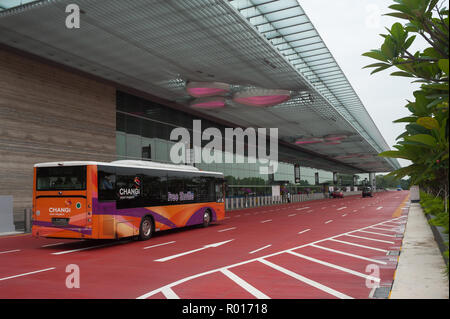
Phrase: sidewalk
pixel 420 270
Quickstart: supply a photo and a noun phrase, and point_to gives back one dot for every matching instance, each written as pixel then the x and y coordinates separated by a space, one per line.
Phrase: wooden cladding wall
pixel 49 114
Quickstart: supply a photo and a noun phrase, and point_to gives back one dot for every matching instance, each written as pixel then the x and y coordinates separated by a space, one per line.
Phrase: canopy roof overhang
pixel 157 47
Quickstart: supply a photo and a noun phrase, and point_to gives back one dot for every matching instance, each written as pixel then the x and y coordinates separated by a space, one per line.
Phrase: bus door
pixel 60 197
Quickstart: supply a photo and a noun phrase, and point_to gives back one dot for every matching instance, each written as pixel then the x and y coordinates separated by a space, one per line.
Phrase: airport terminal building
pixel 117 85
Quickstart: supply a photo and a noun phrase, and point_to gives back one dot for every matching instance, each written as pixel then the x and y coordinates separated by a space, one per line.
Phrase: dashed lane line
pixel 28 273
pixel 9 251
pixel 304 231
pixel 266 221
pixel 328 221
pixel 157 245
pixel 226 229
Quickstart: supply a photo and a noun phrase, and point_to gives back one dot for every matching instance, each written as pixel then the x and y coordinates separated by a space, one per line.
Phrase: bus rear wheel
pixel 206 218
pixel 146 228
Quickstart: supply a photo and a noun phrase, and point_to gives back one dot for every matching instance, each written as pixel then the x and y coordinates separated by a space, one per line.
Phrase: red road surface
pixel 332 248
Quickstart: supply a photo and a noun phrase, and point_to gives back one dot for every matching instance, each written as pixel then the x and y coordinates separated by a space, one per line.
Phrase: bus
pixel 123 198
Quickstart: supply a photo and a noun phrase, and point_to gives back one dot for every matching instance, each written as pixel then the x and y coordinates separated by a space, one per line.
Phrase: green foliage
pixel 425 140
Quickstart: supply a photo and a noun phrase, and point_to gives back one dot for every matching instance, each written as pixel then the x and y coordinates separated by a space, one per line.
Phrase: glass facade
pixel 143 132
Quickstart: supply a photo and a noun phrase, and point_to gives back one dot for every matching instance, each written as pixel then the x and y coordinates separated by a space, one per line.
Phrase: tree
pixel 425 141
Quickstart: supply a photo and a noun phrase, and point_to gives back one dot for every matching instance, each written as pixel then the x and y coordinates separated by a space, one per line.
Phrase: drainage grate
pixel 382 292
pixel 393 253
pixel 399 235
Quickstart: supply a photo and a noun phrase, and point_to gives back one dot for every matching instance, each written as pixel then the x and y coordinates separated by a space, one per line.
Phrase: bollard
pixel 27 220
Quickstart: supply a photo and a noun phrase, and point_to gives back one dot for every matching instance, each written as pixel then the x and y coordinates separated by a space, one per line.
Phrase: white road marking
pixel 26 274
pixel 378 208
pixel 183 280
pixel 373 239
pixel 349 254
pixel 157 245
pixel 309 211
pixel 344 215
pixel 349 271
pixel 305 280
pixel 193 251
pixel 79 249
pixel 9 251
pixel 226 229
pixel 358 245
pixel 245 285
pixel 379 234
pixel 169 293
pixel 394 230
pixel 256 250
pixel 328 221
pixel 304 231
pixel 342 208
pixel 266 221
pixel 303 208
pixel 291 215
pixel 56 244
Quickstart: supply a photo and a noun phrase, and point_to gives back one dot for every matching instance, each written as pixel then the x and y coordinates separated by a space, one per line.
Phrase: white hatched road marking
pixel 394 230
pixel 349 254
pixel 183 280
pixel 169 293
pixel 241 282
pixel 28 273
pixel 349 271
pixel 373 239
pixel 358 245
pixel 305 280
pixel 256 250
pixel 379 234
pixel 193 251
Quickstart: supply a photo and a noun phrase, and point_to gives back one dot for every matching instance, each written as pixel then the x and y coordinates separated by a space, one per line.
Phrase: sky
pixel 351 27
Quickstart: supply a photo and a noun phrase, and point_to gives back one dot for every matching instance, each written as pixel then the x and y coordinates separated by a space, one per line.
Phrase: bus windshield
pixel 61 178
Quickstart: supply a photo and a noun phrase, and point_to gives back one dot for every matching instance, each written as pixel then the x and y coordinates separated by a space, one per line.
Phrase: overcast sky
pixel 350 28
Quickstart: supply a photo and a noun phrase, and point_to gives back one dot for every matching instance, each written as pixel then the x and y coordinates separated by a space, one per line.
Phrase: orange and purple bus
pixel 122 199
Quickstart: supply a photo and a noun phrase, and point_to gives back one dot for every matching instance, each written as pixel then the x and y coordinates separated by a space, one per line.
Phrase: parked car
pixel 367 191
pixel 337 194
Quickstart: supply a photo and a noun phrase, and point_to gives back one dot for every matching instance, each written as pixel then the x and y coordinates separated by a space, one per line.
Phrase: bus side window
pixel 106 183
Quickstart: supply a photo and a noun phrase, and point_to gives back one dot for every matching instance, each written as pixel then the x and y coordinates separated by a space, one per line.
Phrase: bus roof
pixel 130 164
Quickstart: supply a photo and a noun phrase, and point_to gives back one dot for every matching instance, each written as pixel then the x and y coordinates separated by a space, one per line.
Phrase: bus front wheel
pixel 146 228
